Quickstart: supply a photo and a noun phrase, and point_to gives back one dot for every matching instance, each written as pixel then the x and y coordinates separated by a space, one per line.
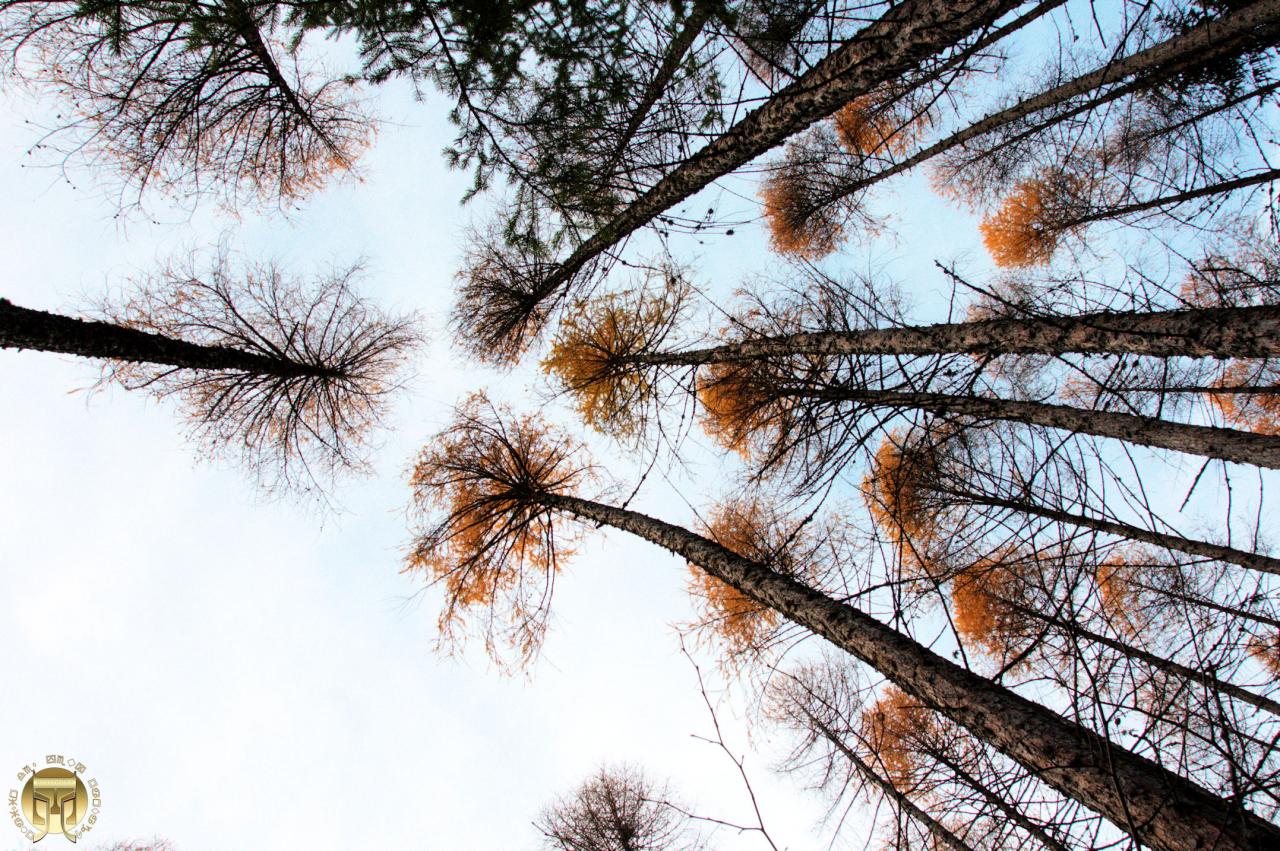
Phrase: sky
pixel 241 673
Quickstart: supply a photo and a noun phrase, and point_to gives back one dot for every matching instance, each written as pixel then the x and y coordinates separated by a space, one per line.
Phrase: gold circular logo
pixel 55 800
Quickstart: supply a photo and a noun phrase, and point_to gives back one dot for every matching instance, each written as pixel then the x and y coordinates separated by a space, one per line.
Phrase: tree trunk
pixel 1010 811
pixel 905 36
pixel 23 328
pixel 1205 549
pixel 1211 40
pixel 1220 332
pixel 943 836
pixel 698 16
pixel 1157 806
pixel 1158 662
pixel 1228 444
pixel 1122 210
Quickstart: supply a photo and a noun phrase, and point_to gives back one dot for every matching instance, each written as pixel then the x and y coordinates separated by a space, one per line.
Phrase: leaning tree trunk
pixel 1155 661
pixel 1011 811
pixel 24 328
pixel 1227 444
pixel 1219 332
pixel 1218 38
pixel 905 36
pixel 942 835
pixel 1122 210
pixel 1157 806
pixel 1191 546
pixel 679 47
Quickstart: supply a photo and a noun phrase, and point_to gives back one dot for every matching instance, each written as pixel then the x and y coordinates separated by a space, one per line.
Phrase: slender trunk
pixel 1159 807
pixel 1158 662
pixel 698 16
pixel 905 36
pixel 23 328
pixel 1204 549
pixel 1193 600
pixel 247 28
pixel 1228 444
pixel 1034 830
pixel 1211 40
pixel 943 836
pixel 1169 200
pixel 1220 332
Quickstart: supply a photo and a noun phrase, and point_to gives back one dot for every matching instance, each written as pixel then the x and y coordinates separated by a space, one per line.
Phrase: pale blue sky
pixel 238 674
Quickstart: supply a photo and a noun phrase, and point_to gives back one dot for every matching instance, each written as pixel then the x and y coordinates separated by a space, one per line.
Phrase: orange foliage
pixel 896 493
pixel 1026 228
pixel 595 351
pixel 1120 598
pixel 496 546
pixel 1256 412
pixel 1267 652
pixel 864 126
pixel 800 222
pixel 738 412
pixel 750 530
pixel 889 727
pixel 981 597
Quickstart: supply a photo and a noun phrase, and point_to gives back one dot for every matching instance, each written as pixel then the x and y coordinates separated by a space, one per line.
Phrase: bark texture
pixel 906 36
pixel 24 328
pixel 1158 807
pixel 1191 546
pixel 1220 332
pixel 1227 444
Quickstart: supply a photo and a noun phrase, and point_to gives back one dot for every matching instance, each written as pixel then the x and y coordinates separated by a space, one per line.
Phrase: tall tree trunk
pixel 905 36
pixel 1228 444
pixel 1122 210
pixel 1158 807
pixel 941 834
pixel 1221 37
pixel 1220 332
pixel 1011 812
pixel 23 328
pixel 1160 663
pixel 1191 546
pixel 701 12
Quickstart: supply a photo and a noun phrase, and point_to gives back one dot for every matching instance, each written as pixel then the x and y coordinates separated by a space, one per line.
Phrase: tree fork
pixel 1158 806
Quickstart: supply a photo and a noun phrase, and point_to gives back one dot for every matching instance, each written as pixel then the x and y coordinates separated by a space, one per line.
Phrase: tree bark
pixel 1158 662
pixel 908 34
pixel 943 836
pixel 24 328
pixel 1211 40
pixel 1219 332
pixel 1122 210
pixel 1157 806
pixel 1010 811
pixel 1205 549
pixel 698 16
pixel 1228 444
